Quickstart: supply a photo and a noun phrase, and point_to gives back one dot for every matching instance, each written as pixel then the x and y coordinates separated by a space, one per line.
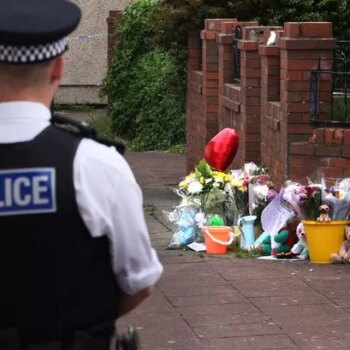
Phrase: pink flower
pixel 310 190
pixel 271 194
pixel 262 179
pixel 246 182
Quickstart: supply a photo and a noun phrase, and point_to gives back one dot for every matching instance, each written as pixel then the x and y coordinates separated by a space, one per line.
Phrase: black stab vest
pixel 54 277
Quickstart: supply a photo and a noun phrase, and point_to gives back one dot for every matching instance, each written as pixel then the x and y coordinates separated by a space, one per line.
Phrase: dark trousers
pixel 78 341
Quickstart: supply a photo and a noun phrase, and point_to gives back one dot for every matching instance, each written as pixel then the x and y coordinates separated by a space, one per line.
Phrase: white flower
pixel 195 187
pixel 228 187
pixel 261 190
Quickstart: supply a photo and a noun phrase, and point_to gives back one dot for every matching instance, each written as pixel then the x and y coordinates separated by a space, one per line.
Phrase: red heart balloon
pixel 222 148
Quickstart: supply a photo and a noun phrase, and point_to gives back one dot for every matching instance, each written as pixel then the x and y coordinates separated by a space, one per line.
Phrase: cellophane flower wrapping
pixel 337 198
pixel 261 192
pixel 306 200
pixel 184 220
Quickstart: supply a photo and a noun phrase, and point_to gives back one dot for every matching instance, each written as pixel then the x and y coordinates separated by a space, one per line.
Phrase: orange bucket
pixel 217 238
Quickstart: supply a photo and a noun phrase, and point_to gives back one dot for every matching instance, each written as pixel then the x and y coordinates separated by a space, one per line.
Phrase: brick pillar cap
pixel 308 29
pixel 215 23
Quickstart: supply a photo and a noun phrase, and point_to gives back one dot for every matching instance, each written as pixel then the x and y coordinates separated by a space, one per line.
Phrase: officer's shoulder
pixel 83 130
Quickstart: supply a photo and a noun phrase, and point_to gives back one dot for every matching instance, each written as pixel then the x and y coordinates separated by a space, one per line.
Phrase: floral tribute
pixel 215 198
pixel 211 197
pixel 305 201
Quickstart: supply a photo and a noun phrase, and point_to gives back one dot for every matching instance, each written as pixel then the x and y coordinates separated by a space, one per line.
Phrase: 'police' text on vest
pixel 27 191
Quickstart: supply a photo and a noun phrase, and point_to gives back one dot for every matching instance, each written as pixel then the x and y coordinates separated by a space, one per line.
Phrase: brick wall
pixel 112 20
pixel 327 151
pixel 269 107
pixel 195 122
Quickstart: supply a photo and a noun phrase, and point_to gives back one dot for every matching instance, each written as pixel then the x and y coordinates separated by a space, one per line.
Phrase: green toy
pixel 216 220
pixel 283 242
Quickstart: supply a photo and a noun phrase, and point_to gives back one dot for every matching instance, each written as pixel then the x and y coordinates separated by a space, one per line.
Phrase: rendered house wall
pixel 86 60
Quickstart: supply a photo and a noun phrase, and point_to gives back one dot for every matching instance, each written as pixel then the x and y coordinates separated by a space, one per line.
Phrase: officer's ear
pixel 57 70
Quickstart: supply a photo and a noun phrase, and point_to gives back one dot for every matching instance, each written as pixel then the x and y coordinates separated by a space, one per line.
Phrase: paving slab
pixel 222 303
pixel 262 342
pixel 228 297
pixel 251 329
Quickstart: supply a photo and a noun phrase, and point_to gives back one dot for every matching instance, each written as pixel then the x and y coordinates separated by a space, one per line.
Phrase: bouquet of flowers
pixel 306 200
pixel 238 196
pixel 261 192
pixel 208 187
pixel 311 202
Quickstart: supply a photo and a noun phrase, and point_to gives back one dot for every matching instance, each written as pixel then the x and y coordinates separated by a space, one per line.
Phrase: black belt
pixel 80 341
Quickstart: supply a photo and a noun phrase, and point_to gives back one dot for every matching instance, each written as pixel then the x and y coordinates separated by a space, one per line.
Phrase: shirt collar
pixel 22 121
pixel 23 109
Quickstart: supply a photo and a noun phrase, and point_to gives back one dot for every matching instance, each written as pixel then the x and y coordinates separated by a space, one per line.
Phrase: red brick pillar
pixel 112 21
pixel 225 47
pixel 194 102
pixel 210 78
pixel 273 146
pixel 306 45
pixel 250 99
pixel 194 51
pixel 225 53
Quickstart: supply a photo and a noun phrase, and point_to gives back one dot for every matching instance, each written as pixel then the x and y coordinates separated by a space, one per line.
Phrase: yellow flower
pixel 227 177
pixel 186 181
pixel 244 188
pixel 236 183
pixel 202 180
pixel 184 187
pixel 190 176
pixel 218 176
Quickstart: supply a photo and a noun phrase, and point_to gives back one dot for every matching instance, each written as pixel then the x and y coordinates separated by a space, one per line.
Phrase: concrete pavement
pixel 223 303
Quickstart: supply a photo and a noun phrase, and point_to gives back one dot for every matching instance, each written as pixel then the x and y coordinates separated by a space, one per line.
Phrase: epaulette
pixel 83 129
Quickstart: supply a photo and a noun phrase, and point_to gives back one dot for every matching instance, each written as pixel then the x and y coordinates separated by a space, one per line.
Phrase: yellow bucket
pixel 323 239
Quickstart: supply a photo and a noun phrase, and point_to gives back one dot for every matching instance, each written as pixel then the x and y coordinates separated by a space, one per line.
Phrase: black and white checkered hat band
pixel 32 53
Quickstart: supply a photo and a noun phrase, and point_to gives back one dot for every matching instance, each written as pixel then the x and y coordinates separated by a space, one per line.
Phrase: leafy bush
pixel 178 17
pixel 102 123
pixel 159 84
pixel 145 85
pixel 146 82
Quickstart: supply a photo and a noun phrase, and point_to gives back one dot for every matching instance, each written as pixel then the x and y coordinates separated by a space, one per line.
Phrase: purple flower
pixel 271 194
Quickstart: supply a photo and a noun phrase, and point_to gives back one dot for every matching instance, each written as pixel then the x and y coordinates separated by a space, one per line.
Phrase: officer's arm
pixel 129 302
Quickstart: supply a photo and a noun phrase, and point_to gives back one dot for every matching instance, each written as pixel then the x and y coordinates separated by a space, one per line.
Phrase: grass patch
pixel 102 123
pixel 179 149
pixel 237 252
pixel 74 107
pixel 341 107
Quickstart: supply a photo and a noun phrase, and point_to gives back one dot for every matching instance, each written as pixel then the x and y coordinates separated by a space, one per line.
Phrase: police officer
pixel 74 248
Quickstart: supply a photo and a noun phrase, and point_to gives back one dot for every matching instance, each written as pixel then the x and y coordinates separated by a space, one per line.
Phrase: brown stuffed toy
pixel 344 251
pixel 324 213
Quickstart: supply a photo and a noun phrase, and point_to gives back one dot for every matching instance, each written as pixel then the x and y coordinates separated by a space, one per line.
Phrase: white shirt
pixel 108 197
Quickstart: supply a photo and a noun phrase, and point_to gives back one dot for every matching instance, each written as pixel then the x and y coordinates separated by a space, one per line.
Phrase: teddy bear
pixel 344 251
pixel 300 249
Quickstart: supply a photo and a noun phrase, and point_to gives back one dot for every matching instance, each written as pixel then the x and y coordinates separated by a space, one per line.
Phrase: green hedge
pixel 146 82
